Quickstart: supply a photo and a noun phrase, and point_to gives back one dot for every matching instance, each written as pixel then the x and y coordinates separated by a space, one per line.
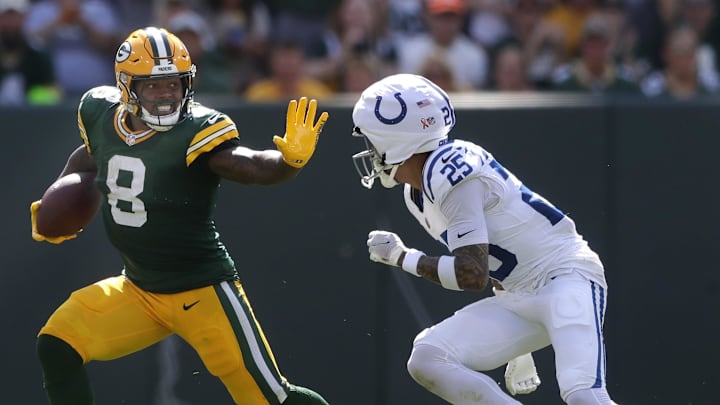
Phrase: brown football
pixel 68 205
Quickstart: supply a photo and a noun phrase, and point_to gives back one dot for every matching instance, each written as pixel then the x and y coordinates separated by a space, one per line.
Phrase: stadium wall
pixel 638 178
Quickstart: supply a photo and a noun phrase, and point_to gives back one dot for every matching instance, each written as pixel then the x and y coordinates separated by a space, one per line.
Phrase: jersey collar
pixel 129 136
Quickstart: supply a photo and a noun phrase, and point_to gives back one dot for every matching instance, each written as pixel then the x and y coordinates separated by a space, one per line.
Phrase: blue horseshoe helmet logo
pixel 391 121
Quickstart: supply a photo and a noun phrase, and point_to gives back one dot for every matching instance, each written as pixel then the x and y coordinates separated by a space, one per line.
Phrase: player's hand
pixel 34 207
pixel 521 376
pixel 385 247
pixel 301 132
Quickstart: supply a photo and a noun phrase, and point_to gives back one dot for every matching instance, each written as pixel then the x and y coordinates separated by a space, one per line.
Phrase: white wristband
pixel 446 273
pixel 410 261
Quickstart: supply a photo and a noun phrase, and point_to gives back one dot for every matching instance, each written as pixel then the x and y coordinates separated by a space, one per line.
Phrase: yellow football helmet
pixel 153 53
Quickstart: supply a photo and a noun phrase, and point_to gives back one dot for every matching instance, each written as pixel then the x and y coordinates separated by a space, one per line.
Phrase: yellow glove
pixel 34 207
pixel 301 136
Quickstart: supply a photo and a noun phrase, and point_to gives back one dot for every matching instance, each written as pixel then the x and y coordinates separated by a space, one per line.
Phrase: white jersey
pixel 469 198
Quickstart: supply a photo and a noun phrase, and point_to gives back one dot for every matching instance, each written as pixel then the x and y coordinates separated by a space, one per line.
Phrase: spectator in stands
pixel 164 10
pixel 624 39
pixel 681 78
pixel 649 19
pixel 350 32
pixel 79 34
pixel 437 69
pixel 26 74
pixel 467 59
pixel 358 71
pixel 510 71
pixel 374 36
pixel 403 19
pixel 133 14
pixel 489 22
pixel 168 10
pixel 700 16
pixel 541 43
pixel 303 20
pixel 212 75
pixel 287 78
pixel 231 24
pixel 595 70
pixel 566 18
pixel 242 29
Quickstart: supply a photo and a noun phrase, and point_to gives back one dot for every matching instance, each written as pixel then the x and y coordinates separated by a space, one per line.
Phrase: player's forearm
pixel 470 264
pixel 247 166
pixel 273 168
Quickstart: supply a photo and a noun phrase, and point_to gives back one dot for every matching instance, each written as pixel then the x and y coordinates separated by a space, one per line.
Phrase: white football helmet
pixel 399 116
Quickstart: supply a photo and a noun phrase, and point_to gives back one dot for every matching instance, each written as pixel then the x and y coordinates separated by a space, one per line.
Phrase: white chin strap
pixel 160 122
pixel 386 179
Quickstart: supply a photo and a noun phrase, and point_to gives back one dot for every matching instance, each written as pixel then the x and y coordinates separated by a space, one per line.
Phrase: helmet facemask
pixel 370 165
pixel 163 121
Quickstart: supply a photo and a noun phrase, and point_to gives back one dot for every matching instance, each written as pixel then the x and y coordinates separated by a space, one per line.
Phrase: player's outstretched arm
pixel 266 167
pixel 466 269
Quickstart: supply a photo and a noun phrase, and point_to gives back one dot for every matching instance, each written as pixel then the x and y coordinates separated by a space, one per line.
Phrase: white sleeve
pixel 463 208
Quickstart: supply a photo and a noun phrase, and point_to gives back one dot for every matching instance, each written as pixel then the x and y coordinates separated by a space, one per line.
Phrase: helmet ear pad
pixel 125 83
pixel 402 115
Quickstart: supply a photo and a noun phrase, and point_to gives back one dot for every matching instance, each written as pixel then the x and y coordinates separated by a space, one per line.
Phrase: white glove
pixel 521 376
pixel 385 247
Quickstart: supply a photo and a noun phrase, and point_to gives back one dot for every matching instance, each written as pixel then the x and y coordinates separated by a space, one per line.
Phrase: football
pixel 68 205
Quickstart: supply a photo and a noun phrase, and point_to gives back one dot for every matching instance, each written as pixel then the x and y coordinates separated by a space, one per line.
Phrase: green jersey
pixel 159 194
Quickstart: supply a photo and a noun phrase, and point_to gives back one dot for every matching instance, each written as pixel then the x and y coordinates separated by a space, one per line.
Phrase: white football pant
pixel 566 313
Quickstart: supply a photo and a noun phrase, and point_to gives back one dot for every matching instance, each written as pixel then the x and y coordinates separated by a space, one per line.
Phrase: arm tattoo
pixel 428 268
pixel 471 267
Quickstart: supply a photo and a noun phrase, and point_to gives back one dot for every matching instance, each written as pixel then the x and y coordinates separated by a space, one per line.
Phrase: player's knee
pixel 218 358
pixel 577 378
pixel 589 396
pixel 219 365
pixel 51 349
pixel 426 363
pixel 56 356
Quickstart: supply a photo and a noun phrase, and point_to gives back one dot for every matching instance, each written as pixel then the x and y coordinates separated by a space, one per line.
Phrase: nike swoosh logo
pixel 186 306
pixel 445 159
pixel 460 235
pixel 212 120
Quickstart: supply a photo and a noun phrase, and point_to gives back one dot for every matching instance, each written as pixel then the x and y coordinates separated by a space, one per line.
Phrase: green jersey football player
pixel 158 158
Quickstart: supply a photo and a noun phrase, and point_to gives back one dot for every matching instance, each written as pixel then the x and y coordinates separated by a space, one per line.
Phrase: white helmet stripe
pixel 160 46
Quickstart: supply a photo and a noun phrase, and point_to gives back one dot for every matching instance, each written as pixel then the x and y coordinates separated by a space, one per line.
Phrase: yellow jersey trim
pixel 210 137
pixel 129 136
pixel 83 133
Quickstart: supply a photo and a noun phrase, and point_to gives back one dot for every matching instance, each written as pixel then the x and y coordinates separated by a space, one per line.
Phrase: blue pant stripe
pixel 598 310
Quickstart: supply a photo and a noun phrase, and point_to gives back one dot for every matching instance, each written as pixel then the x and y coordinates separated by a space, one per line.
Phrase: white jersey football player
pixel 550 286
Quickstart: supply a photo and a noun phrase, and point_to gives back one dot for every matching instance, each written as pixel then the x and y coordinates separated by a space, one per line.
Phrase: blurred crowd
pixel 275 50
